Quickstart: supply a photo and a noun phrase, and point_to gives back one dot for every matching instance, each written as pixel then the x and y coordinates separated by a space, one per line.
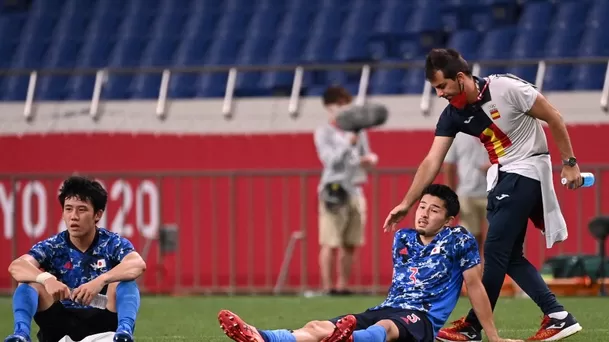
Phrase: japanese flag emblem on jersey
pixel 101 263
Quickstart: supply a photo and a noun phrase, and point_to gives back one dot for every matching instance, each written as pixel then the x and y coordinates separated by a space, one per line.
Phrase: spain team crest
pixel 494 112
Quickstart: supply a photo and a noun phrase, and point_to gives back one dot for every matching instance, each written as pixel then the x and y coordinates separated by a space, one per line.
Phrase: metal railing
pixel 365 69
pixel 245 231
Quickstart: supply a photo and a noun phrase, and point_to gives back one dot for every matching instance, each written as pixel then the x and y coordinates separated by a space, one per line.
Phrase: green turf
pixel 194 318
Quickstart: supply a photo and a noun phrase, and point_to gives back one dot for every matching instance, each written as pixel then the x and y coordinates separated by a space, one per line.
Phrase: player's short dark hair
pixel 85 190
pixel 336 95
pixel 445 193
pixel 449 61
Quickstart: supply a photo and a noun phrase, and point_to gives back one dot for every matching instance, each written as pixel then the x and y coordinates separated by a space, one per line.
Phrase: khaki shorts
pixel 345 226
pixel 473 213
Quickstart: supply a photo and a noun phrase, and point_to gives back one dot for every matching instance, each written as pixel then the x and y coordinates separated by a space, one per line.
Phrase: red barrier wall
pixel 236 237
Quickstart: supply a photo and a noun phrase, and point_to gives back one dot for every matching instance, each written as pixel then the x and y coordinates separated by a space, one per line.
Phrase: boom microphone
pixel 358 117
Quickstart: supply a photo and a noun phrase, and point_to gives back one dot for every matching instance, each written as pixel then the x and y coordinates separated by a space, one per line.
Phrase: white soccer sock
pixel 559 315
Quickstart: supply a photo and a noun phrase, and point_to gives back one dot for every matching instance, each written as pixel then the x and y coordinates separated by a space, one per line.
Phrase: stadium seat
pixel 387 81
pixel 414 81
pixel 536 15
pixel 496 46
pixel 80 87
pixel 466 42
pixel 161 33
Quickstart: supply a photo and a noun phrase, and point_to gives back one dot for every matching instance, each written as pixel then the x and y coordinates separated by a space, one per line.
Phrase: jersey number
pixel 412 318
pixel 413 273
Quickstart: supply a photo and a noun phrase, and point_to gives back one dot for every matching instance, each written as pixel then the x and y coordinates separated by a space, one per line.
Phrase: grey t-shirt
pixel 341 160
pixel 468 154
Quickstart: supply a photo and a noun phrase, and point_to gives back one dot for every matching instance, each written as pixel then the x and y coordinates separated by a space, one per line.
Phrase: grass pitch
pixel 194 318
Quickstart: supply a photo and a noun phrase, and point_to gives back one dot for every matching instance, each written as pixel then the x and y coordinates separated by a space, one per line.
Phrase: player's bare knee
pixel 45 300
pixel 111 293
pixel 321 328
pixel 393 333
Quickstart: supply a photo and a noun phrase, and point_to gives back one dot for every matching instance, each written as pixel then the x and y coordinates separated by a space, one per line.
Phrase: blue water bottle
pixel 587 177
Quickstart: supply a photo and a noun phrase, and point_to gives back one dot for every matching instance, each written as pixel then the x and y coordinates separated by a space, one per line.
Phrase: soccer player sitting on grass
pixel 430 263
pixel 84 258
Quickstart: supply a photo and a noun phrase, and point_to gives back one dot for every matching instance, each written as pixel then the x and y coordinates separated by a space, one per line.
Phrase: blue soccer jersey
pixel 428 278
pixel 58 256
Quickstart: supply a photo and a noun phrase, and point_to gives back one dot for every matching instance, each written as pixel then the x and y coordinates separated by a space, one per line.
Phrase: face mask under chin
pixel 459 101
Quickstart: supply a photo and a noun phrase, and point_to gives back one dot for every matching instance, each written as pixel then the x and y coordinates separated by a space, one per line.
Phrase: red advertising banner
pixel 233 227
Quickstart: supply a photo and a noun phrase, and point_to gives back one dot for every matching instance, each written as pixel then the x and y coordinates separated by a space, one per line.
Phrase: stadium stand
pixel 159 33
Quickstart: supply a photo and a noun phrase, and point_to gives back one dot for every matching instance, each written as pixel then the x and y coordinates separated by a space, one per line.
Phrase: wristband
pixel 42 277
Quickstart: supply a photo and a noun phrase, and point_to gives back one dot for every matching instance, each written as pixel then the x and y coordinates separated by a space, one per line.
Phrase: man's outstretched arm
pixel 428 170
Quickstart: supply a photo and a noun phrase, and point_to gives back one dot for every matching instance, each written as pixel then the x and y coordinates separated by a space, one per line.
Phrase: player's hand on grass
pixel 58 290
pixel 85 293
pixel 396 215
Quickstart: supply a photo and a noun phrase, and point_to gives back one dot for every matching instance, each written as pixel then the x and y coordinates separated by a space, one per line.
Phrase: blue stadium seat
pixel 326 22
pixel 536 15
pixel 39 27
pixel 320 48
pixel 137 25
pixel 146 86
pixel 571 14
pixel 117 87
pixel 295 22
pixel 63 53
pixel 201 25
pixel 414 81
pixel 287 50
pixel 52 88
pixel 598 14
pixel 527 45
pixel 387 81
pixel 424 19
pixel 350 48
pixel 86 8
pixel 115 7
pixel 31 53
pixel 265 22
pixel 223 51
pixel 80 87
pixel 11 27
pixel 171 24
pixel 392 20
pixel 183 85
pixel 159 52
pixel 191 52
pixel 496 45
pixel 74 26
pixel 255 50
pixel 95 51
pixel 360 19
pixel 47 7
pixel 104 25
pixel 230 25
pixel 211 84
pixel 14 87
pixel 378 49
pixel 142 7
pixel 128 52
pixel 591 76
pixel 466 42
pixel 163 33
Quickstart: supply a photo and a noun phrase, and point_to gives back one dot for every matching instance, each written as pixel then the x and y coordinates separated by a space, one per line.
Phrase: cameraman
pixel 346 156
